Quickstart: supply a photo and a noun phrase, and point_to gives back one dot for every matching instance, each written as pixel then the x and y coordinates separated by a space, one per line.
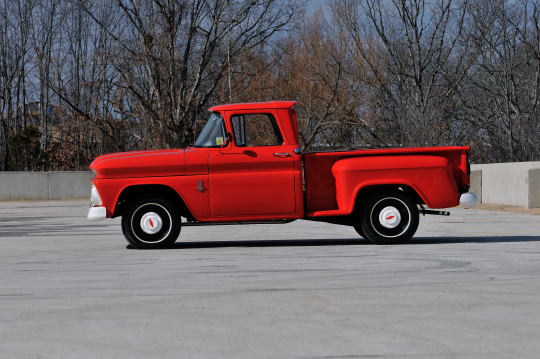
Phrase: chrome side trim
pixel 195 224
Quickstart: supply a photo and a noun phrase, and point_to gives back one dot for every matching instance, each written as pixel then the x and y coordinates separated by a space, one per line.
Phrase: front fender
pixel 430 176
pixel 197 202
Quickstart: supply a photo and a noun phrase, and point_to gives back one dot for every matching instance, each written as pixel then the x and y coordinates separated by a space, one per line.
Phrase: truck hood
pixel 156 163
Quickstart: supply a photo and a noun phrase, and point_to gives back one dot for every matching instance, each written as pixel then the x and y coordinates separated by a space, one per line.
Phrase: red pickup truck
pixel 247 167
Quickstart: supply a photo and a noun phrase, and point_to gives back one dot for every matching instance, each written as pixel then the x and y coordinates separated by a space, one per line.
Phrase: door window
pixel 260 129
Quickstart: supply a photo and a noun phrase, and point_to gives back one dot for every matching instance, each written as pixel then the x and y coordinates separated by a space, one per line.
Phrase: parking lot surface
pixel 467 286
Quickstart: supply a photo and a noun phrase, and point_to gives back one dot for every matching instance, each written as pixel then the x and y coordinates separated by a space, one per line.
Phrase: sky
pixel 315 4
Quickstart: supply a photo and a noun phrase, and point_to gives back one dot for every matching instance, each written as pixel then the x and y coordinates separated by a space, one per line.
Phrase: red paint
pixel 251 180
pixel 390 217
pixel 250 183
pixel 141 164
pixel 151 223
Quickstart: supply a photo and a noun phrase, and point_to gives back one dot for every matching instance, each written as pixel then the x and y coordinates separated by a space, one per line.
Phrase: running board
pixel 278 221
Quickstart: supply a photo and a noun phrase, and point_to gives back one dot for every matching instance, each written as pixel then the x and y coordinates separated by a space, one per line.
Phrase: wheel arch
pixel 363 193
pixel 131 192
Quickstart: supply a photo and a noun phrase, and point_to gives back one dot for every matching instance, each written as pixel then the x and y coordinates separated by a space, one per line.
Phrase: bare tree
pixel 79 78
pixel 171 55
pixel 312 66
pixel 502 97
pixel 15 23
pixel 416 59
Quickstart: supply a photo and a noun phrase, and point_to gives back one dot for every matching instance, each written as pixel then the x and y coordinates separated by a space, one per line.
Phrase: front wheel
pixel 389 218
pixel 151 222
pixel 360 231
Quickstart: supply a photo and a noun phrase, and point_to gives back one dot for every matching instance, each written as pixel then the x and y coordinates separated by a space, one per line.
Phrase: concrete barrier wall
pixel 24 185
pixel 476 184
pixel 515 184
pixel 16 186
pixel 534 188
pixel 68 185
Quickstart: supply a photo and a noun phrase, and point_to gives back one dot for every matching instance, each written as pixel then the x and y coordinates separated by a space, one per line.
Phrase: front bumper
pixel 97 213
pixel 468 200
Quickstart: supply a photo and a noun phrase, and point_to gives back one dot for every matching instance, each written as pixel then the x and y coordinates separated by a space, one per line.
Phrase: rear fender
pixel 430 176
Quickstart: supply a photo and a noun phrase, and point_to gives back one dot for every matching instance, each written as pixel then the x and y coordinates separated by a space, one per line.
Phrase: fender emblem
pixel 200 188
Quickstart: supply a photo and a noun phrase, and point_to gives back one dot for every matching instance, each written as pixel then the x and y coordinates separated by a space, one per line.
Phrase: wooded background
pixel 81 78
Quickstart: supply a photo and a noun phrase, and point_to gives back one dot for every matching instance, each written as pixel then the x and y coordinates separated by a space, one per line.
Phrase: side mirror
pixel 228 139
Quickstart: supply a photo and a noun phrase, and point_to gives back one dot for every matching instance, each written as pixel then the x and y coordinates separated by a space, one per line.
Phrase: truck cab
pixel 257 174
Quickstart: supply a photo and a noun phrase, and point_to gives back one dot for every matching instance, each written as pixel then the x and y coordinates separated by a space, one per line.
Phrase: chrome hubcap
pixel 390 217
pixel 151 223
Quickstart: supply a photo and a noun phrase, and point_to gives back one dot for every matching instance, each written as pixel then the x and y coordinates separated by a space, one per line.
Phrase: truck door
pixel 253 176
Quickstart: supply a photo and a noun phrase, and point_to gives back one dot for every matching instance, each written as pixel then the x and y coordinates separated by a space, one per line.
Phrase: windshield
pixel 213 133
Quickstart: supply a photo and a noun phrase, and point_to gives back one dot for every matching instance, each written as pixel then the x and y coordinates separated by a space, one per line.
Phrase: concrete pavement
pixel 467 286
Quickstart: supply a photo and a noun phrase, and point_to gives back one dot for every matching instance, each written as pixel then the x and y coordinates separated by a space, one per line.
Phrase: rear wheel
pixel 389 218
pixel 151 222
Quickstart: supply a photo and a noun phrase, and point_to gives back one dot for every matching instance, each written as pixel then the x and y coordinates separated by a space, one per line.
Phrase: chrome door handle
pixel 282 155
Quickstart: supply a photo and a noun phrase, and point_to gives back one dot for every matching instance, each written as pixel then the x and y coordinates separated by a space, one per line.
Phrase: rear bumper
pixel 97 213
pixel 468 200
